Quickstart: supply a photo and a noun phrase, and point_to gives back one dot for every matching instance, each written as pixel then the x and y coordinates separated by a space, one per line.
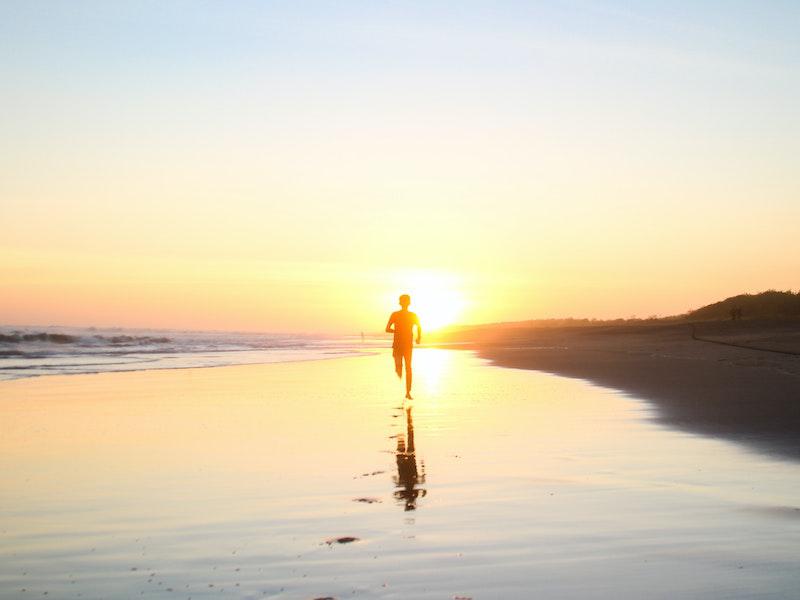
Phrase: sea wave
pixel 19 337
pixel 28 352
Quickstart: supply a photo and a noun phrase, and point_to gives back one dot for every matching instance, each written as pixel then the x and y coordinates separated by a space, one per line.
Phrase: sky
pixel 295 166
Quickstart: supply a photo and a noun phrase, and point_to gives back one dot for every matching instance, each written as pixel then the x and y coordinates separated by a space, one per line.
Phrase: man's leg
pixel 398 361
pixel 409 372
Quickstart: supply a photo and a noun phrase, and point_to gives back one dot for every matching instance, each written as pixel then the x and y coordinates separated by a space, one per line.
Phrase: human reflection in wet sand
pixel 408 477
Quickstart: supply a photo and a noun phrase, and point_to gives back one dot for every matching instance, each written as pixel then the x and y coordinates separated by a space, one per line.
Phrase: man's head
pixel 405 300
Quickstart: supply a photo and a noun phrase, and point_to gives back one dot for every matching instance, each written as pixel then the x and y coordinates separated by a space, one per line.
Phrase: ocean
pixel 36 351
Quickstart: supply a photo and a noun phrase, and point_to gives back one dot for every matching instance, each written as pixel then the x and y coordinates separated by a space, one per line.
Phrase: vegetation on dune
pixel 769 304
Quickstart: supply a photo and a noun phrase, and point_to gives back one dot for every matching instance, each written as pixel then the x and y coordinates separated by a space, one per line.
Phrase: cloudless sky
pixel 293 166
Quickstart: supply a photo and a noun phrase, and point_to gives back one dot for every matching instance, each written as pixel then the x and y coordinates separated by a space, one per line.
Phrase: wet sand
pixel 736 380
pixel 311 480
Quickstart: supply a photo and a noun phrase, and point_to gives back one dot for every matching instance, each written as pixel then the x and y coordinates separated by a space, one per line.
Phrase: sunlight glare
pixel 435 296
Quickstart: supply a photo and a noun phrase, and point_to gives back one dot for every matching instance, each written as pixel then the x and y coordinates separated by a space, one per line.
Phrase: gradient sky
pixel 293 166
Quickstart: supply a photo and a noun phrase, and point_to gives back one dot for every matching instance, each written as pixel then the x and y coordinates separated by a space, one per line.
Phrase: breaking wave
pixel 26 352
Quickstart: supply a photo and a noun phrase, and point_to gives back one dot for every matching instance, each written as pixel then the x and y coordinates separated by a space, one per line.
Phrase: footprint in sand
pixel 341 540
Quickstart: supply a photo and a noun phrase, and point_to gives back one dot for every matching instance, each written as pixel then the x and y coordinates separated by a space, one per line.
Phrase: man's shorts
pixel 402 352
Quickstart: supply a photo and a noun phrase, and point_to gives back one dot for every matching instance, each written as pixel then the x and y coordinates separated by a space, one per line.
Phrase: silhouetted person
pixel 401 323
pixel 407 475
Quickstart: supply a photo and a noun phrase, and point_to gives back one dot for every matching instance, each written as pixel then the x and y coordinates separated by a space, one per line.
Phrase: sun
pixel 435 297
pixel 437 307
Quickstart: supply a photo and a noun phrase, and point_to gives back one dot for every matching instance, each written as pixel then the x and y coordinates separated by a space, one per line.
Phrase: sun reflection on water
pixel 432 369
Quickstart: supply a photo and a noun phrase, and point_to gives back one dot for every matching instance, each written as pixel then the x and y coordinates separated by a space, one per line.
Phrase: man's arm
pixel 419 329
pixel 390 322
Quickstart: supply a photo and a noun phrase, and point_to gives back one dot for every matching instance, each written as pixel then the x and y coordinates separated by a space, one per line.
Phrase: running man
pixel 401 324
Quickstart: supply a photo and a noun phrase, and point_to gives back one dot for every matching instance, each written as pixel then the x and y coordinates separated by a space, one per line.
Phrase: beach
pixel 736 380
pixel 229 226
pixel 315 480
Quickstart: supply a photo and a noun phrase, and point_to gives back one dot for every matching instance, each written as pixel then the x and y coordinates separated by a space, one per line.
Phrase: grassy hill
pixel 765 305
pixel 769 304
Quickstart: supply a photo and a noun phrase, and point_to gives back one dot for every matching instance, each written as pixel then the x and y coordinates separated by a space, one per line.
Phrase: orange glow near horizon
pixel 243 294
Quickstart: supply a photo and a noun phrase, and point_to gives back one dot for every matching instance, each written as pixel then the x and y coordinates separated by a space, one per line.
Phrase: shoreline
pixel 712 384
pixel 313 479
pixel 734 381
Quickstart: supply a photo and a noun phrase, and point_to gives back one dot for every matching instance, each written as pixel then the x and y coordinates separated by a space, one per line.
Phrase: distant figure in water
pixel 401 323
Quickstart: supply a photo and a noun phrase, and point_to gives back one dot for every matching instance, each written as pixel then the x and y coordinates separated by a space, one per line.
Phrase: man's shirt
pixel 404 322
